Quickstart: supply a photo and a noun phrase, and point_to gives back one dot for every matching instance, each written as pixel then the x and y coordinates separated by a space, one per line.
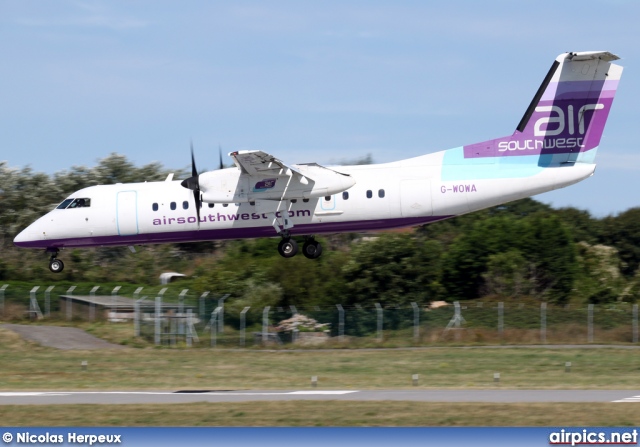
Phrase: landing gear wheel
pixel 56 265
pixel 312 249
pixel 288 248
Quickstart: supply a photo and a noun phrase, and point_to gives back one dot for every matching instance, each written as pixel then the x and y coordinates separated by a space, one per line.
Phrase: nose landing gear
pixel 55 264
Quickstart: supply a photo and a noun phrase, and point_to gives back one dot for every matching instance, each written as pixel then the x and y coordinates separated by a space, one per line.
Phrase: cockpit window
pixel 80 203
pixel 75 203
pixel 64 204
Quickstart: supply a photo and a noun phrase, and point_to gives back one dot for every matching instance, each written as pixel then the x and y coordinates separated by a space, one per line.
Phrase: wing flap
pixel 260 163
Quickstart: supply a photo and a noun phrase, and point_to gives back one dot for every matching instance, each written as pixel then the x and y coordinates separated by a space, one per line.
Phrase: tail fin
pixel 566 118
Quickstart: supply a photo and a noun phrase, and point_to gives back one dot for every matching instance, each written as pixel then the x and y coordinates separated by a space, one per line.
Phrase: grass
pixel 27 366
pixel 325 413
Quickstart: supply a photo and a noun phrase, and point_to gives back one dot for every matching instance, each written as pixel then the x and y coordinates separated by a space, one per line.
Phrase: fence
pixel 212 320
pixel 416 325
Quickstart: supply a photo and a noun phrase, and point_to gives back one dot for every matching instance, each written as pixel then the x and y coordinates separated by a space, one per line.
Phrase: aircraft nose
pixel 26 237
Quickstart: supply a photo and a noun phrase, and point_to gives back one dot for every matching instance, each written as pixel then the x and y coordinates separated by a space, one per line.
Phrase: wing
pixel 260 163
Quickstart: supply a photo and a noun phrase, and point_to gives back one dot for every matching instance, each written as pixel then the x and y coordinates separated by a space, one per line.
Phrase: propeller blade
pixel 220 153
pixel 193 183
pixel 194 171
pixel 198 200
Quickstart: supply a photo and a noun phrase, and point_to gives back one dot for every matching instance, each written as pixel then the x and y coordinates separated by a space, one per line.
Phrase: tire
pixel 56 265
pixel 312 249
pixel 288 248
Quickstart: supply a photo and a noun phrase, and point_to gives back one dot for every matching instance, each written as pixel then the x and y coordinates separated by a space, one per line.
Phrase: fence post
pixel 634 312
pixel 47 301
pixel 203 298
pixel 543 322
pixel 158 316
pixel 189 326
pixel 340 322
pixel 501 319
pixel 92 304
pixel 590 323
pixel 33 303
pixel 221 314
pixel 181 316
pixel 113 313
pixel 70 302
pixel 136 318
pixel 2 289
pixel 265 324
pixel 379 311
pixel 214 330
pixel 136 294
pixel 243 325
pixel 416 322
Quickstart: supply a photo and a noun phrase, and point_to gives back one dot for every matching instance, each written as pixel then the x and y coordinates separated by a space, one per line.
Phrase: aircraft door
pixel 328 205
pixel 127 213
pixel 415 198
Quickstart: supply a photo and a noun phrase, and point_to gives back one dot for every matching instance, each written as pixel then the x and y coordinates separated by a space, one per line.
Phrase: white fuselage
pixel 406 193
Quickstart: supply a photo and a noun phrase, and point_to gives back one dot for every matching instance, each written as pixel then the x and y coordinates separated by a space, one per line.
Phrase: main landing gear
pixel 288 247
pixel 55 264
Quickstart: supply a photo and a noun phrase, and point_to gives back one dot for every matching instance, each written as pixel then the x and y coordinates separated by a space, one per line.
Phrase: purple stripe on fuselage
pixel 232 233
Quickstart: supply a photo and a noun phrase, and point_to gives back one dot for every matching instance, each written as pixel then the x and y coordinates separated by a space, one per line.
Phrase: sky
pixel 313 81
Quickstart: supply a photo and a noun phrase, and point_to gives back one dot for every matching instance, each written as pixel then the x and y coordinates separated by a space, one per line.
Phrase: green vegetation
pixel 326 414
pixel 522 254
pixel 519 252
pixel 44 368
pixel 27 366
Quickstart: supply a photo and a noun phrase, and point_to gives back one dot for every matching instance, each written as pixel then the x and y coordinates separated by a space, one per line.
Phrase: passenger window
pixel 155 207
pixel 381 193
pixel 173 205
pixel 294 200
pixel 327 198
pixel 185 205
pixel 305 200
pixel 369 193
pixel 225 205
pixel 345 195
pixel 211 205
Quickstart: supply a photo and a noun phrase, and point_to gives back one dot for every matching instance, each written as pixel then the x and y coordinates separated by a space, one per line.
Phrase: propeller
pixel 193 184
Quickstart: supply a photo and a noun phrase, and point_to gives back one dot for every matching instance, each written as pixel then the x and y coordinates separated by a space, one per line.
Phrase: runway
pixel 191 396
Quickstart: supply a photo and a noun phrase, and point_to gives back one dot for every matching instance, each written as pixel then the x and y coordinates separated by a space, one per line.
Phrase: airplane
pixel 553 146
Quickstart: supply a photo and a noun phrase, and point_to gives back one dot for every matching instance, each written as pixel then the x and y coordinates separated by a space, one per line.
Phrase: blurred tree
pixel 581 224
pixel 508 275
pixel 544 249
pixel 623 233
pixel 598 277
pixel 393 270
